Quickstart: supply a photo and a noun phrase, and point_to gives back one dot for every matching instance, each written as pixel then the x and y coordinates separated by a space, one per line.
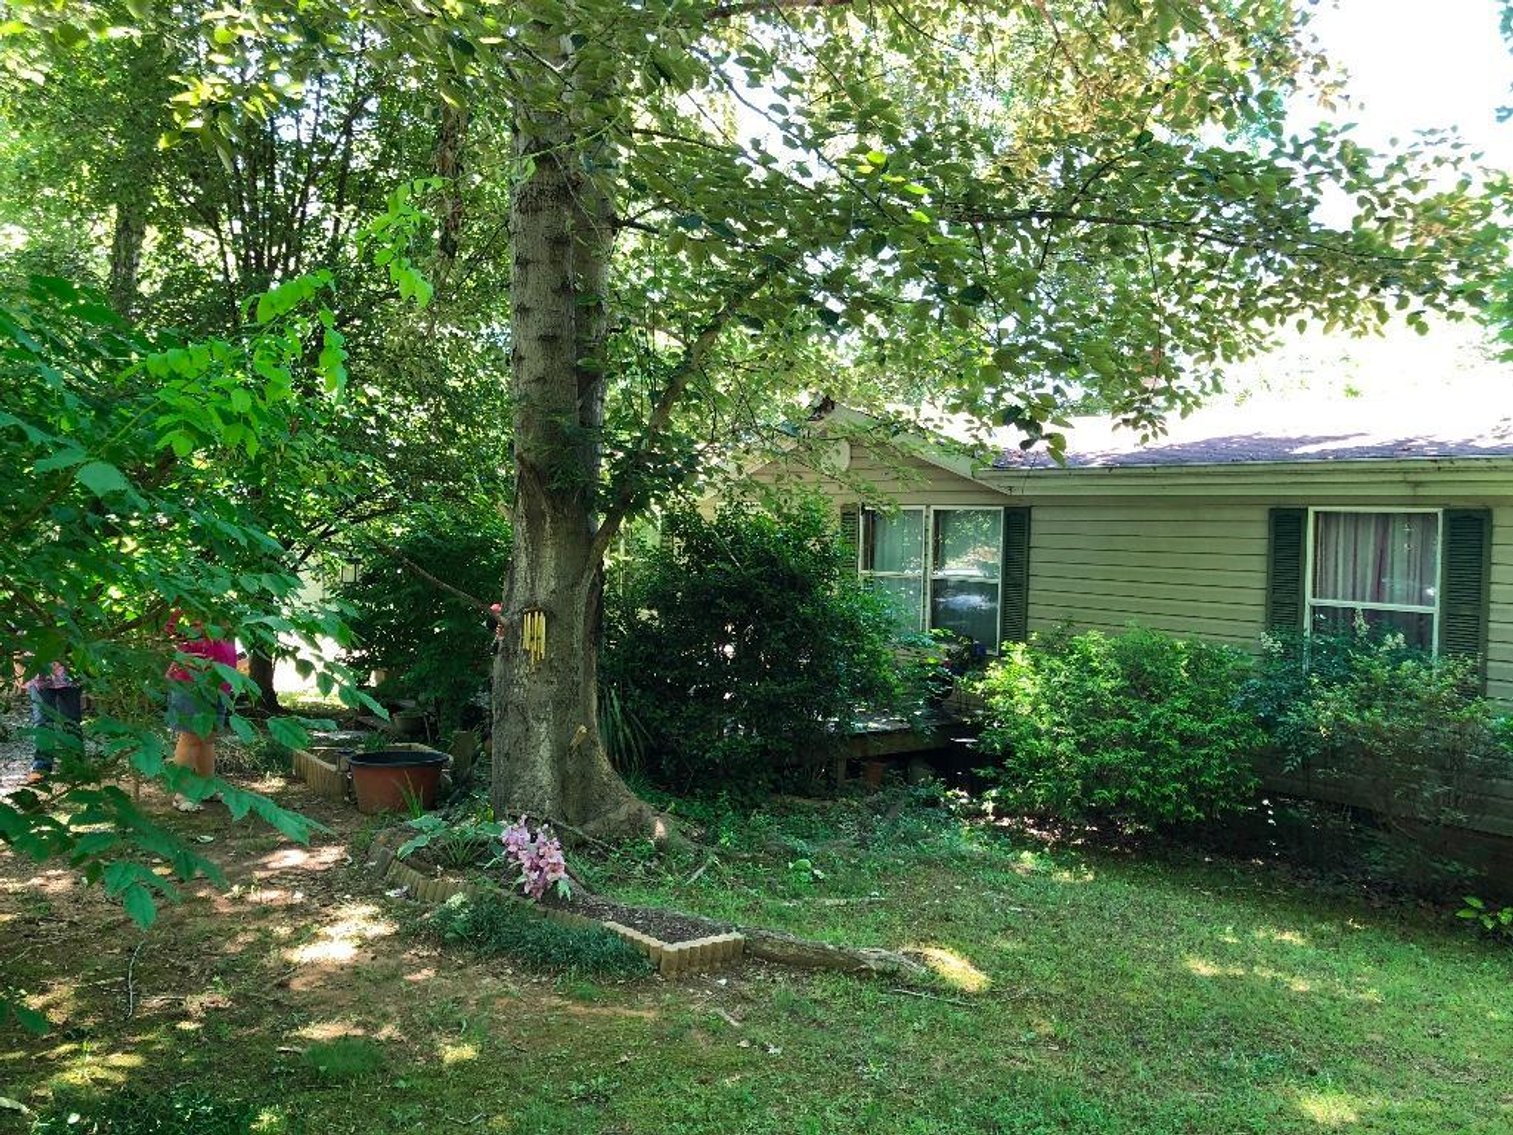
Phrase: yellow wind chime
pixel 533 635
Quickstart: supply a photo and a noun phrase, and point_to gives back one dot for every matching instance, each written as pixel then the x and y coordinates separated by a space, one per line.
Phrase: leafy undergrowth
pixel 494 927
pixel 1079 992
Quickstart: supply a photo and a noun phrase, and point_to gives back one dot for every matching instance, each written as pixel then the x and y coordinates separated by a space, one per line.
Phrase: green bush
pixel 434 647
pixel 1403 729
pixel 741 646
pixel 500 926
pixel 1137 728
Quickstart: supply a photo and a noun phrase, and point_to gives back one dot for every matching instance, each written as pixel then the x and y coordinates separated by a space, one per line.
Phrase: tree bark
pixel 126 257
pixel 549 760
pixel 260 670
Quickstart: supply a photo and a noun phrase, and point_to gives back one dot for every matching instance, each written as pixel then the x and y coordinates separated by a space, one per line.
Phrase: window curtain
pixel 1376 557
pixel 895 543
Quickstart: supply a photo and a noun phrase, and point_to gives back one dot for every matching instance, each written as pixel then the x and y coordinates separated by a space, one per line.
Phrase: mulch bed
pixel 668 926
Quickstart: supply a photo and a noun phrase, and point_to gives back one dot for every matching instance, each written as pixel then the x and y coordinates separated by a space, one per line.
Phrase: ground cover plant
pixel 1076 991
pixel 494 926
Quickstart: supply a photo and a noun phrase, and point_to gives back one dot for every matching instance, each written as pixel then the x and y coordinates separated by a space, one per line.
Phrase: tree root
pixel 635 818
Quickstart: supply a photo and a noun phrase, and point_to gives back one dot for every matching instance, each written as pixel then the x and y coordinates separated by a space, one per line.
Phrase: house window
pixel 966 556
pixel 950 580
pixel 893 561
pixel 1382 567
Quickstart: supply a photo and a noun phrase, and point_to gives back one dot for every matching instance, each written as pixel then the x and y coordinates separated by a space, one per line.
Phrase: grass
pixel 1078 991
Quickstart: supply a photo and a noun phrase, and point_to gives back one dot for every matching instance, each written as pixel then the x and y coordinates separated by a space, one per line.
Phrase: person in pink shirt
pixel 198 706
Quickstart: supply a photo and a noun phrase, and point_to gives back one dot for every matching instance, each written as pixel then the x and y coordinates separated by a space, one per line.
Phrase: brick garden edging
pixel 699 955
pixel 327 779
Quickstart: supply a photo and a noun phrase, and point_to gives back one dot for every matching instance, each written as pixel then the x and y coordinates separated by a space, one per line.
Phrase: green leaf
pixel 102 478
pixel 288 733
pixel 29 1019
pixel 63 459
pixel 137 901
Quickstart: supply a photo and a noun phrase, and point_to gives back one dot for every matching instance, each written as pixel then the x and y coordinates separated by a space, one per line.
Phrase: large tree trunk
pixel 548 757
pixel 260 670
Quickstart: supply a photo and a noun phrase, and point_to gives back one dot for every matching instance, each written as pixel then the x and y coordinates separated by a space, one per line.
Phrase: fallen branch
pixel 804 953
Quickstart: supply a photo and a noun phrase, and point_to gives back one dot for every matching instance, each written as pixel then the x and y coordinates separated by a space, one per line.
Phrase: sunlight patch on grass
pixel 1204 968
pixel 47 883
pixel 1329 1109
pixel 111 1070
pixel 302 859
pixel 329 1030
pixel 1291 937
pixel 955 970
pixel 459 1053
pixel 339 942
pixel 421 975
pixel 60 1001
pixel 1291 981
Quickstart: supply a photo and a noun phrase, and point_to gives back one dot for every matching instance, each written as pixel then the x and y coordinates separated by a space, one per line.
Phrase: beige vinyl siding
pixel 882 476
pixel 1198 567
pixel 1187 568
pixel 1500 621
pixel 1181 550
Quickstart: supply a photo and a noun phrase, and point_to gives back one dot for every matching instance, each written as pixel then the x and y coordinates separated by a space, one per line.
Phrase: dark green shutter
pixel 1286 536
pixel 1014 617
pixel 1467 566
pixel 851 519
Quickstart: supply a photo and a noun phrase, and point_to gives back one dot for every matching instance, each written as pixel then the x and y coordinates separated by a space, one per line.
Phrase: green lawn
pixel 1079 992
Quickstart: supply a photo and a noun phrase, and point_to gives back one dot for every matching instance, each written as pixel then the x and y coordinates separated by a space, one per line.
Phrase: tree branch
pixel 767 7
pixel 661 414
pixel 471 600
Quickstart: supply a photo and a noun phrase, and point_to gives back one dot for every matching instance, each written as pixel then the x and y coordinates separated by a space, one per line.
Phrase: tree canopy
pixel 698 210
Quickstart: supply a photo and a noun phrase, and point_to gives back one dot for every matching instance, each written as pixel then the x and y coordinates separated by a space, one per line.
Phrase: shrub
pixel 434 647
pixel 500 926
pixel 1402 729
pixel 1137 728
pixel 741 645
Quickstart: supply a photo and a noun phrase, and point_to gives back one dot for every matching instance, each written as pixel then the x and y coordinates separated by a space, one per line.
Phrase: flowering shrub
pixel 538 858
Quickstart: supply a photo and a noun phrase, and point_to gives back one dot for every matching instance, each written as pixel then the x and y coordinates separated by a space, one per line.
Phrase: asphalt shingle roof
pixel 1345 429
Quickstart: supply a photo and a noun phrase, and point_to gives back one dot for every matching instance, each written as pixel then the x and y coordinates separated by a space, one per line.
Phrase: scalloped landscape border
pixel 698 955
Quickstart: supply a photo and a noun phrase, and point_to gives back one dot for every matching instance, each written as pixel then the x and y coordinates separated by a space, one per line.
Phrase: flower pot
pixel 391 780
pixel 409 723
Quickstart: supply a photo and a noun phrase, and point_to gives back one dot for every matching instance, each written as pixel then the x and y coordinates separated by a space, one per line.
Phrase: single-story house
pixel 1239 519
